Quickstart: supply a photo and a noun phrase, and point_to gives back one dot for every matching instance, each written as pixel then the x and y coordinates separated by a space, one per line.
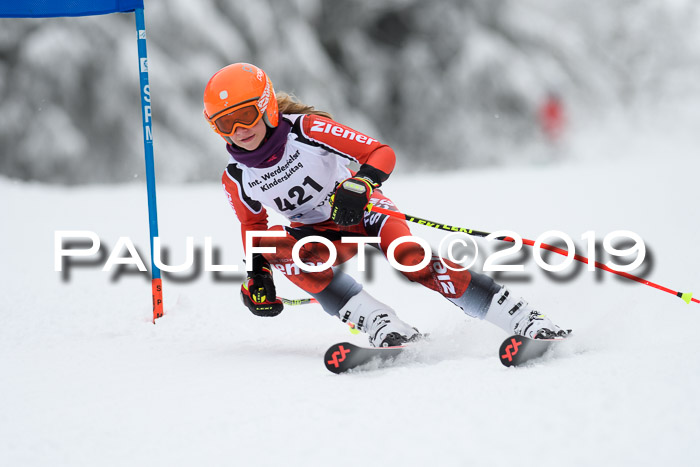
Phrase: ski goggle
pixel 244 115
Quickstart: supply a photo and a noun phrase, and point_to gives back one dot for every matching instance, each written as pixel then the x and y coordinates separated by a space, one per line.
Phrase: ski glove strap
pixel 258 290
pixel 350 199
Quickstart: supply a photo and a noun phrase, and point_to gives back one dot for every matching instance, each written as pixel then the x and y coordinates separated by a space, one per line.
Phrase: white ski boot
pixel 380 322
pixel 518 317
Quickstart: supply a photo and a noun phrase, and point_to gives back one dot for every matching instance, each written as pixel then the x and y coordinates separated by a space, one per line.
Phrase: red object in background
pixel 552 119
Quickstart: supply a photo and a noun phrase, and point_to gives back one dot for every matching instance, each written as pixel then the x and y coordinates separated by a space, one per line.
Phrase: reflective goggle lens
pixel 245 116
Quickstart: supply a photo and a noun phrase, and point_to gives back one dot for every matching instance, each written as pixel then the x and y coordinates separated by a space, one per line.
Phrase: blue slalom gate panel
pixel 53 8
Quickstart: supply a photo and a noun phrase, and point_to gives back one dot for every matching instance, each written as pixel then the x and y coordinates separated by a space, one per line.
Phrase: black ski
pixel 518 350
pixel 345 356
pixel 514 351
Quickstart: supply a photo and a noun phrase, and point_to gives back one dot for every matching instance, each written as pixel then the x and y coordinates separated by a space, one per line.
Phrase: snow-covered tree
pixel 451 82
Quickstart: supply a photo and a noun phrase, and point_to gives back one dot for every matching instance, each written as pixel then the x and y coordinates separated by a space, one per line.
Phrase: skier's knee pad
pixel 476 300
pixel 337 293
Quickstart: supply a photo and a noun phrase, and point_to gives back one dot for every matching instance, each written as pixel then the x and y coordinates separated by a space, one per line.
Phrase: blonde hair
pixel 290 104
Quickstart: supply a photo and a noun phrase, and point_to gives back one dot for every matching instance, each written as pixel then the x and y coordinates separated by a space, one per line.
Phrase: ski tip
pixel 510 348
pixel 518 350
pixel 336 355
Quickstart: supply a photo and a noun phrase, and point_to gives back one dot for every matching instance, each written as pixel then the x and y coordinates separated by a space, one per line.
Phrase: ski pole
pixel 686 297
pixel 298 301
pixel 306 301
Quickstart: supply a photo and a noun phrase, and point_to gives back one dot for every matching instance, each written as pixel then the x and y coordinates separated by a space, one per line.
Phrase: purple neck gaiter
pixel 269 152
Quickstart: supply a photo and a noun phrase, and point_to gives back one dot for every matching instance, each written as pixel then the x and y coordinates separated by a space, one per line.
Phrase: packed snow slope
pixel 86 379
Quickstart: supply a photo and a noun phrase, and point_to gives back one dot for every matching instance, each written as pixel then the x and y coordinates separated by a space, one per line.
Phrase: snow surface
pixel 86 379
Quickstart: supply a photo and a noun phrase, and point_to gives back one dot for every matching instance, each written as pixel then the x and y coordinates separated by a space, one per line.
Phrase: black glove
pixel 258 291
pixel 350 199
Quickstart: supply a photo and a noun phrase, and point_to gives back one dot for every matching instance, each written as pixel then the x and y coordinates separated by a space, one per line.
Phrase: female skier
pixel 294 159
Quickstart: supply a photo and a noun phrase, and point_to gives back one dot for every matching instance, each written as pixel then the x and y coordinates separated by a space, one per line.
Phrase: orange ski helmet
pixel 239 95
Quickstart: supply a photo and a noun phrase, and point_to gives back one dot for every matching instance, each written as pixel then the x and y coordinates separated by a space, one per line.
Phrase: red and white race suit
pixel 299 186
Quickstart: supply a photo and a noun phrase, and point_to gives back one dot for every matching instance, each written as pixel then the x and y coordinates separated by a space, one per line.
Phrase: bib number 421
pixel 298 195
